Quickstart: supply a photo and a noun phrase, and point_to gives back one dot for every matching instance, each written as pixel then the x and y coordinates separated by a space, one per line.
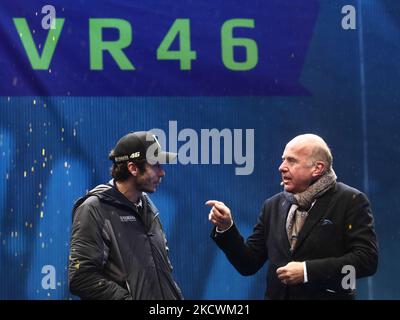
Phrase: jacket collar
pixel 284 207
pixel 109 194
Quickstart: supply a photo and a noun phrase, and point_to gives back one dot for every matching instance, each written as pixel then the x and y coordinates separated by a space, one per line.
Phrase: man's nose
pixel 161 172
pixel 282 167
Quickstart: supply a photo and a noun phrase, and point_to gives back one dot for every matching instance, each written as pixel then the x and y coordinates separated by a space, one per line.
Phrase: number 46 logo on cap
pixel 135 155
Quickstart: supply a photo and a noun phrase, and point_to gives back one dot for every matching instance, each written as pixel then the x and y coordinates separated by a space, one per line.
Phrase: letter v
pixel 38 62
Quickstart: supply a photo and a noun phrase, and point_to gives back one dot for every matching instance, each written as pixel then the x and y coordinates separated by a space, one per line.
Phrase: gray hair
pixel 324 154
pixel 320 150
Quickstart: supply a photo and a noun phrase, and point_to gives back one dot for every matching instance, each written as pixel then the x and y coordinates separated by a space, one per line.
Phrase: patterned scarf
pixel 304 199
pixel 302 204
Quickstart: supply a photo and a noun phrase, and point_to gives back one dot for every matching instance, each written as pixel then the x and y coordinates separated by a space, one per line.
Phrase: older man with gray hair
pixel 317 234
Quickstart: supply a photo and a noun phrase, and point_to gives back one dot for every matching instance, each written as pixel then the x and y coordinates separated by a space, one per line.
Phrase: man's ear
pixel 319 168
pixel 133 169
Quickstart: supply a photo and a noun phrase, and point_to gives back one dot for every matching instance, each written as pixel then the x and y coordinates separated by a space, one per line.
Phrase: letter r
pixel 97 45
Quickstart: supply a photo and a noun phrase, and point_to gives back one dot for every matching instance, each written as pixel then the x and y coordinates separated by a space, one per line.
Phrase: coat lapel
pixel 284 207
pixel 315 214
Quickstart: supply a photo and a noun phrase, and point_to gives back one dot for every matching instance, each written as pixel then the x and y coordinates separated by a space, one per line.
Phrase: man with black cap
pixel 118 248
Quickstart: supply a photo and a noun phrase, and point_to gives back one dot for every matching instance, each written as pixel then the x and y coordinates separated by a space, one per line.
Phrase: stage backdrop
pixel 77 75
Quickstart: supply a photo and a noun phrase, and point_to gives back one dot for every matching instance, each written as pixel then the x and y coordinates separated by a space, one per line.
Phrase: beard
pixel 146 184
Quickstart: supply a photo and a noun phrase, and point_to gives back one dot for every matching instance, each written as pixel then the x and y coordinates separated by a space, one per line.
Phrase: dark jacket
pixel 117 252
pixel 337 232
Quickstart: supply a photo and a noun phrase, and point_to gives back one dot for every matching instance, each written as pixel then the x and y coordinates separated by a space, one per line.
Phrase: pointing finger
pixel 211 202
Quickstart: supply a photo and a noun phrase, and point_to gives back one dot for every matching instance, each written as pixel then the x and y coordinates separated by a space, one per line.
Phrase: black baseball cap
pixel 140 145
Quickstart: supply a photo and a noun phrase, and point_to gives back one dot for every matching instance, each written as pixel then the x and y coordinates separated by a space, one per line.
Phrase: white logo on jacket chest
pixel 127 218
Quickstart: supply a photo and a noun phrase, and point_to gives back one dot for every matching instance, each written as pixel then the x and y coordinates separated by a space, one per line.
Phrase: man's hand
pixel 292 273
pixel 220 215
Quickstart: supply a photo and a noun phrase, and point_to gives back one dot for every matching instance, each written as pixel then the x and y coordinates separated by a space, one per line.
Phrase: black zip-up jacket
pixel 115 253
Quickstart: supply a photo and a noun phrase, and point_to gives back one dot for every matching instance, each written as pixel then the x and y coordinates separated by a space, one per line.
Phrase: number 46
pixel 181 28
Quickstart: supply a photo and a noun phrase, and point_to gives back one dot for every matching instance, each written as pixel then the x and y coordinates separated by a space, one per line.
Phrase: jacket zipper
pixel 152 252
